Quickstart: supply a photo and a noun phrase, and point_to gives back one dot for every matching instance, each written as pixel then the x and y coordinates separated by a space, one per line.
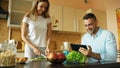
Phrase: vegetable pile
pixel 75 57
pixel 38 58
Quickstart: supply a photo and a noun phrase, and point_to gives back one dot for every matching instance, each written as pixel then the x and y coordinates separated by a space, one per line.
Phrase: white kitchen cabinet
pixel 69 23
pixel 17 9
pixel 73 20
pixel 79 20
pixel 56 17
pixel 67 18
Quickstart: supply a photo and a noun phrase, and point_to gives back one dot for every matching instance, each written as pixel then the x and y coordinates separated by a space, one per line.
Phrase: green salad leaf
pixel 38 58
pixel 76 57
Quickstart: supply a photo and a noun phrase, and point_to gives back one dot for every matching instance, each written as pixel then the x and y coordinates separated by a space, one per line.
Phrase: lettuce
pixel 76 57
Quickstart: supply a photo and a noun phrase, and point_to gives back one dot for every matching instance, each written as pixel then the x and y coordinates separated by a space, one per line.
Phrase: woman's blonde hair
pixel 33 11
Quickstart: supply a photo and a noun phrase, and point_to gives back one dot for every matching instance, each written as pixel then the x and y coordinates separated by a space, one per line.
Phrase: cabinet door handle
pixel 55 26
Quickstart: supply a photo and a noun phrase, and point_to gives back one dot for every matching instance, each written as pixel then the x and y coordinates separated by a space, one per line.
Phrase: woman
pixel 36 28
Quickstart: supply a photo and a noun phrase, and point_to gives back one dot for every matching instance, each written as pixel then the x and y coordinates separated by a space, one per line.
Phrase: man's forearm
pixel 95 55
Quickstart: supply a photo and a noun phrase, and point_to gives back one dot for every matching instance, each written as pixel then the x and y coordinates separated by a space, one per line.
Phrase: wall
pixel 99 5
pixel 73 3
pixel 70 37
pixel 3 30
pixel 111 6
pixel 3 23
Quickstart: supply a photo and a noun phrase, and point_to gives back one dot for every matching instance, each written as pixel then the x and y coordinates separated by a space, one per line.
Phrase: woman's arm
pixel 49 38
pixel 49 31
pixel 24 33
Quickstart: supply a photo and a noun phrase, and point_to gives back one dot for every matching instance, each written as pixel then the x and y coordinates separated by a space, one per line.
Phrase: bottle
pixel 66 45
pixel 66 48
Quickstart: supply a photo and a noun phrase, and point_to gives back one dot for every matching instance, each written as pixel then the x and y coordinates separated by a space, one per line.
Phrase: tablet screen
pixel 77 46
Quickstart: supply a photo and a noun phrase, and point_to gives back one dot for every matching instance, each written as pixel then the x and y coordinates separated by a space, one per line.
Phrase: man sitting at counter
pixel 101 43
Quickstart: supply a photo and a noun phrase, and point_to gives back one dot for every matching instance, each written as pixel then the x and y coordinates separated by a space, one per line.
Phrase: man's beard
pixel 90 31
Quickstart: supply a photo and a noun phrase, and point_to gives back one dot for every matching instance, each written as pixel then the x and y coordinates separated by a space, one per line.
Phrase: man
pixel 101 43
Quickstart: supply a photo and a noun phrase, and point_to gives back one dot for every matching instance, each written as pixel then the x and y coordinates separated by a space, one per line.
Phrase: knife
pixel 44 55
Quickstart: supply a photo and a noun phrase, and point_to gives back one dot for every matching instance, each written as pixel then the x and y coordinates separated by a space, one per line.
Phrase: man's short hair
pixel 89 15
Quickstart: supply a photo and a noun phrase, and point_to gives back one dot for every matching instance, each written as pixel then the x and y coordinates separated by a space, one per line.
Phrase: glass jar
pixel 7 54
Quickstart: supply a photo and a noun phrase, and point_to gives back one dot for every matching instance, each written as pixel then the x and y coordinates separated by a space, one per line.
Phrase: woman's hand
pixel 47 51
pixel 36 51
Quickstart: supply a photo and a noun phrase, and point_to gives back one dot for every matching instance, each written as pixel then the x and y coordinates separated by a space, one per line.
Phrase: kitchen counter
pixel 46 64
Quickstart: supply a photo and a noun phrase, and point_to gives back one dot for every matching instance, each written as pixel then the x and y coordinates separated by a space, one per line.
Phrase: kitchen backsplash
pixel 61 37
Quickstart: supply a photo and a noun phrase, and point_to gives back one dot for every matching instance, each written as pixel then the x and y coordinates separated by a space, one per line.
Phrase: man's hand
pixel 86 52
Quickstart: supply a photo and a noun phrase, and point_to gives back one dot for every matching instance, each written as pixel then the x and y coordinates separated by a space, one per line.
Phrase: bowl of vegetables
pixel 57 58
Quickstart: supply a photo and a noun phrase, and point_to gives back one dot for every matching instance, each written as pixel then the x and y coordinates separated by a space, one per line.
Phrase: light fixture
pixel 86 1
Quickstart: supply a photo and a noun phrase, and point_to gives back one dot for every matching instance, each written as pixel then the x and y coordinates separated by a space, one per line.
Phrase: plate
pixel 21 60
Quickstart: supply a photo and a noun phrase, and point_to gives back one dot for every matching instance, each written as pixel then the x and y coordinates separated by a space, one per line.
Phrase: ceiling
pixel 95 4
pixel 82 4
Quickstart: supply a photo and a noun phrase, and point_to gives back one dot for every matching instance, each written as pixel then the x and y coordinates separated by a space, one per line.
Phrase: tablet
pixel 77 46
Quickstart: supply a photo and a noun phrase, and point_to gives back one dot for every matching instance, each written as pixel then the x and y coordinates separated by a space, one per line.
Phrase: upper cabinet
pixel 67 18
pixel 79 20
pixel 56 17
pixel 69 23
pixel 17 9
